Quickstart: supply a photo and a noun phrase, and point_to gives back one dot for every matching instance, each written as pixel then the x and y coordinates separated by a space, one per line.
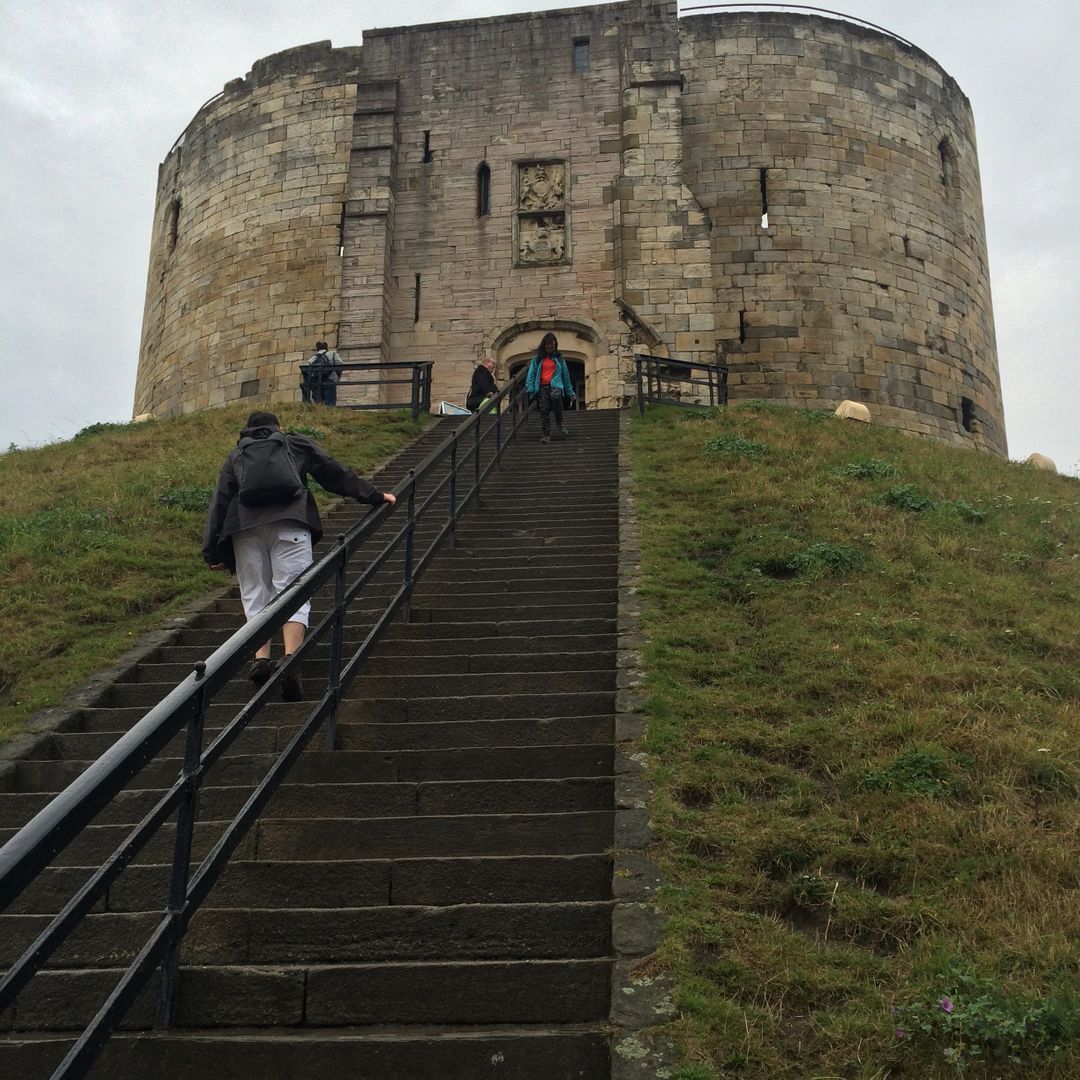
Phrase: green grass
pixel 101 536
pixel 864 678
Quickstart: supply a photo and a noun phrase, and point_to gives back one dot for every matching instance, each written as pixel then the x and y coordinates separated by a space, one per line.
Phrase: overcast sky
pixel 93 94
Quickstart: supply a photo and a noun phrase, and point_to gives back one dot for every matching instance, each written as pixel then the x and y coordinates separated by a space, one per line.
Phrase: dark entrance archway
pixel 577 377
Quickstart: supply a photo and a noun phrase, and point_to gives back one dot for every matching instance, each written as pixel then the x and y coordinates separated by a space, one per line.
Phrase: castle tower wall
pixel 449 190
pixel 244 264
pixel 870 281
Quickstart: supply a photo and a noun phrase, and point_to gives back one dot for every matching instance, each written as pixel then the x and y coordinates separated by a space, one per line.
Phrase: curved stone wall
pixel 428 194
pixel 244 267
pixel 870 280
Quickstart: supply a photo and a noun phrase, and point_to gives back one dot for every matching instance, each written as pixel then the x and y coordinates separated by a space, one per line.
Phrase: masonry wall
pixel 870 281
pixel 334 193
pixel 244 267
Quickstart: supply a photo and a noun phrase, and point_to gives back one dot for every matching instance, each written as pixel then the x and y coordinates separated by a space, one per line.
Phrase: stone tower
pixel 795 195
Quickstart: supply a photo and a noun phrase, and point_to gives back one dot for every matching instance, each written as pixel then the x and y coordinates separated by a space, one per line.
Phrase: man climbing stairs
pixel 432 897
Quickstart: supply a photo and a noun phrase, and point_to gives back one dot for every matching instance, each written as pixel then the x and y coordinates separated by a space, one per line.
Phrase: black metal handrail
pixel 469 454
pixel 315 378
pixel 664 381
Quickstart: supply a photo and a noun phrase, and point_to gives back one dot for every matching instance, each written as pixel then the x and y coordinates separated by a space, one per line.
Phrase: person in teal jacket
pixel 548 381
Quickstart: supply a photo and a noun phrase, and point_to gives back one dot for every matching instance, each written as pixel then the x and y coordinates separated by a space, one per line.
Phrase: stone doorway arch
pixel 580 341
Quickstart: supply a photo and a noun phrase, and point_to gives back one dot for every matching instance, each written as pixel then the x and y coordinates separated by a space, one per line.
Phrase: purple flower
pixel 948 1052
pixel 946 1004
pixel 900 1033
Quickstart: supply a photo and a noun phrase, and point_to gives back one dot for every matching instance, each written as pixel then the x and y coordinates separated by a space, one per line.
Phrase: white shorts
pixel 269 557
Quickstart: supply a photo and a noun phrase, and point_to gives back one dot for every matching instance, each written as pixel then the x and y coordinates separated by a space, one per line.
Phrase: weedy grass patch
pixel 100 536
pixel 863 687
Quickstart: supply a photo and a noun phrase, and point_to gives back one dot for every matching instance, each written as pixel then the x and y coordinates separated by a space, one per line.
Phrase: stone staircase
pixel 433 897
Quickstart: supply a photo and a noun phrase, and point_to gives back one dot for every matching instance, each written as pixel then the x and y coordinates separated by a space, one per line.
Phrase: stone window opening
pixel 581 55
pixel 967 414
pixel 763 182
pixel 174 223
pixel 742 327
pixel 483 189
pixel 428 155
pixel 416 301
pixel 341 233
pixel 947 156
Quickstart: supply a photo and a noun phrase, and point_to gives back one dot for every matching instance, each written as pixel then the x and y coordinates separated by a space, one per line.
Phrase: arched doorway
pixel 577 377
pixel 580 342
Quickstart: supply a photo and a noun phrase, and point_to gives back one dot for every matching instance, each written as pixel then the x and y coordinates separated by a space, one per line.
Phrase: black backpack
pixel 266 471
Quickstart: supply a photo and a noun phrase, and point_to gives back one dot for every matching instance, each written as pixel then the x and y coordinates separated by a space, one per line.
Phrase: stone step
pixel 384 662
pixel 338 995
pixel 535 1053
pixel 359 766
pixel 296 935
pixel 448 649
pixel 147 694
pixel 500 879
pixel 294 800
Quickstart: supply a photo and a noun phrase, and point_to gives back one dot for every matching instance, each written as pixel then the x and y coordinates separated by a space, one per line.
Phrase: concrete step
pixel 503 879
pixel 262 935
pixel 359 766
pixel 148 694
pixel 294 800
pixel 338 995
pixel 288 840
pixel 511 1053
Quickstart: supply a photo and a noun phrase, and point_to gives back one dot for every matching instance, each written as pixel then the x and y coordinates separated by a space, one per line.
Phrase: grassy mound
pixel 864 686
pixel 100 537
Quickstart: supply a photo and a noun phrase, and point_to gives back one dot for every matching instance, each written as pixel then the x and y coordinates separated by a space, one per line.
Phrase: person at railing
pixel 322 375
pixel 483 385
pixel 263 521
pixel 548 381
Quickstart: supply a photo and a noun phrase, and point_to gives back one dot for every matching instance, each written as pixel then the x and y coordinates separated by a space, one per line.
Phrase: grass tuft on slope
pixel 100 536
pixel 864 683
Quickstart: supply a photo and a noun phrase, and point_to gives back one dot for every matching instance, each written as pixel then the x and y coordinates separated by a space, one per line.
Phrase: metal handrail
pixel 805 7
pixel 314 377
pixel 185 708
pixel 653 372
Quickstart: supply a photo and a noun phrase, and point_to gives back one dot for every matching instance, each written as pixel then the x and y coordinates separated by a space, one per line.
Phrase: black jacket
pixel 227 515
pixel 483 386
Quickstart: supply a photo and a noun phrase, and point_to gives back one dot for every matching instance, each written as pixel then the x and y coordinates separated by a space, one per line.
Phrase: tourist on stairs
pixel 548 381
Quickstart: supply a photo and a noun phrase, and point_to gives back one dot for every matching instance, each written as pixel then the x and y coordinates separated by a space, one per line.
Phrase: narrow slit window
pixel 341 233
pixel 416 301
pixel 742 327
pixel 428 156
pixel 947 155
pixel 763 181
pixel 581 55
pixel 967 414
pixel 174 224
pixel 483 190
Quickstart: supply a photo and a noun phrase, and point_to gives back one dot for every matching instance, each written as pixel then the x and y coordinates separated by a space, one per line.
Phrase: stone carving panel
pixel 541 238
pixel 542 186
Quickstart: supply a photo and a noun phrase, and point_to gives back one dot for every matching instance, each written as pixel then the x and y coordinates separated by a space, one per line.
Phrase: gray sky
pixel 93 94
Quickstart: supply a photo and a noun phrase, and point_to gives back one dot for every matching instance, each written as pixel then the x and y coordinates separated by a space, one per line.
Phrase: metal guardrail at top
pixel 316 380
pixel 469 454
pixel 664 381
pixel 802 7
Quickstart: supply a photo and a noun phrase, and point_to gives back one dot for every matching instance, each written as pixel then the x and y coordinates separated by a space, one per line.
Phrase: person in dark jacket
pixel 269 545
pixel 483 384
pixel 548 381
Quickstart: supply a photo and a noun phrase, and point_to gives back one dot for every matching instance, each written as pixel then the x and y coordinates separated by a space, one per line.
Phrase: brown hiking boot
pixel 292 687
pixel 261 670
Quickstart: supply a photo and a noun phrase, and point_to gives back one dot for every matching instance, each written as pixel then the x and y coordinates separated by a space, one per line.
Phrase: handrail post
pixel 476 462
pixel 640 387
pixel 415 392
pixel 185 828
pixel 410 530
pixel 452 492
pixel 337 635
pixel 498 434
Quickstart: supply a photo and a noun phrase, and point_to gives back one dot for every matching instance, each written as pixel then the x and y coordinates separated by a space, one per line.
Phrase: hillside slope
pixel 864 691
pixel 101 536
